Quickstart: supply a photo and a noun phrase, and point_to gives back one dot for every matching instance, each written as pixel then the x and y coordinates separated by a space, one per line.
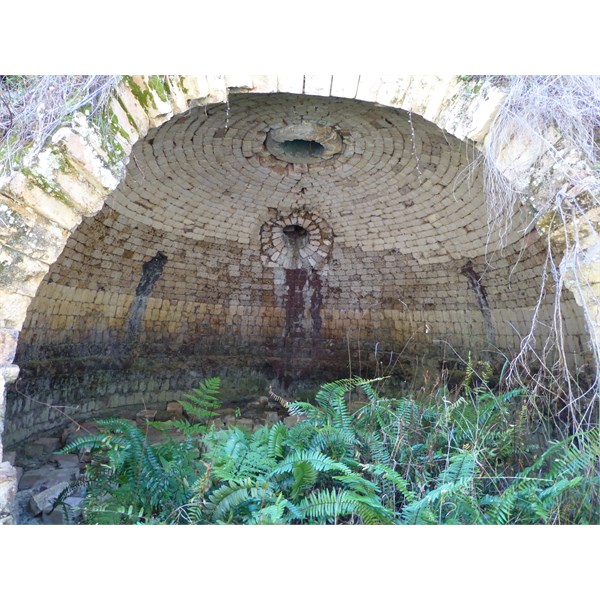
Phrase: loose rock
pixel 46 477
pixel 43 501
pixel 58 516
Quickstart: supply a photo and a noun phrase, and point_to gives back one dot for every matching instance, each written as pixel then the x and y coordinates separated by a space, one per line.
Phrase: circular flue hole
pixel 294 232
pixel 303 143
pixel 303 148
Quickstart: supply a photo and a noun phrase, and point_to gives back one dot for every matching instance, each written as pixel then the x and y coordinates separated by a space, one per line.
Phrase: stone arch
pixel 84 187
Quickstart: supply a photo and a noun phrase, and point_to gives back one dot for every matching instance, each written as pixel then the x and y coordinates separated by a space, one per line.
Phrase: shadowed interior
pixel 213 256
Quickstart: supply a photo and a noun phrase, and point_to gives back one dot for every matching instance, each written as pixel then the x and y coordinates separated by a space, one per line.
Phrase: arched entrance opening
pixel 276 239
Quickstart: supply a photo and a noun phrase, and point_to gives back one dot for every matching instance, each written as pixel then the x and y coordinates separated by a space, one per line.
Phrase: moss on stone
pixel 546 221
pixel 49 187
pixel 127 113
pixel 108 139
pixel 63 163
pixel 143 96
pixel 115 126
pixel 160 86
pixel 182 85
pixel 114 151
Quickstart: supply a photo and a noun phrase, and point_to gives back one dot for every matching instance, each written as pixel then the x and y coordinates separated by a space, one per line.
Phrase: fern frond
pixel 228 498
pixel 357 483
pixel 305 409
pixel 399 482
pixel 207 391
pixel 317 460
pixel 304 477
pixel 335 442
pixel 413 513
pixel 200 406
pixel 578 454
pixel 462 467
pixel 326 506
pixel 269 515
pixel 277 436
pixel 370 509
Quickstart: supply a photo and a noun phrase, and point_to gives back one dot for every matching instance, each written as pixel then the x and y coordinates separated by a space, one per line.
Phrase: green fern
pixel 277 437
pixel 200 407
pixel 395 460
pixel 327 506
pixel 317 460
pixel 305 476
pixel 227 499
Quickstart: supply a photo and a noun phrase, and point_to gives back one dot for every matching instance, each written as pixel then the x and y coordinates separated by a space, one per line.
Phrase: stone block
pixel 344 86
pixel 55 209
pixel 129 134
pixel 8 488
pixel 154 436
pixel 89 197
pixel 291 421
pixel 58 517
pixel 8 344
pixel 44 500
pixel 368 86
pixel 19 475
pixel 134 110
pixel 292 84
pixel 10 456
pixel 65 461
pixel 48 444
pixel 266 84
pixel 84 152
pixel 245 423
pixel 483 113
pixel 144 416
pixel 228 420
pixel 217 91
pixel 72 432
pixel 174 410
pixel 13 308
pixel 239 81
pixel 47 476
pixel 6 519
pixel 33 451
pixel 195 87
pixel 317 85
pixel 271 417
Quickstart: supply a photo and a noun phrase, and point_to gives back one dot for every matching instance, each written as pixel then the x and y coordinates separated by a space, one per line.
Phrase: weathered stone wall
pixel 217 248
pixel 189 262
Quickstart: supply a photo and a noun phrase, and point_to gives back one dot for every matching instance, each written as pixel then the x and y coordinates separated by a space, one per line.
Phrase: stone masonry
pixel 264 224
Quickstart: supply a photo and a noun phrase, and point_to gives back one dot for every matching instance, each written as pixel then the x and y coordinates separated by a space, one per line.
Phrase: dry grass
pixel 562 115
pixel 541 107
pixel 32 107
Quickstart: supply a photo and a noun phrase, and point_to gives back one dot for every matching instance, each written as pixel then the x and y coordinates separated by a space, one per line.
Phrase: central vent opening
pixel 303 148
pixel 304 143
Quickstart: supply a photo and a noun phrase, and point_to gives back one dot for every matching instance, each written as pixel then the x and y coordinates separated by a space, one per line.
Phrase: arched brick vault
pixel 222 249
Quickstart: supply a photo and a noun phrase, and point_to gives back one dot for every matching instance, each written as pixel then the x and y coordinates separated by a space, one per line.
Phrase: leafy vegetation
pixel 392 461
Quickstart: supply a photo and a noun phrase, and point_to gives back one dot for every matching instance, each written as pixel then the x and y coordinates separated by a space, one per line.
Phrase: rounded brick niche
pixel 267 241
pixel 298 240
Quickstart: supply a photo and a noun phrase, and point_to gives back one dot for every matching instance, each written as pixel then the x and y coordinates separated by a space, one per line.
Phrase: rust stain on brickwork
pixel 316 303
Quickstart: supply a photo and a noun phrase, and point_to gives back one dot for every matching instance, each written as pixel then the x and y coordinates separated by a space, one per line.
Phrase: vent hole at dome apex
pixel 302 148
